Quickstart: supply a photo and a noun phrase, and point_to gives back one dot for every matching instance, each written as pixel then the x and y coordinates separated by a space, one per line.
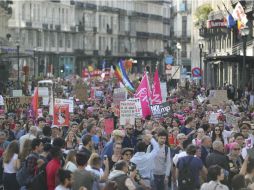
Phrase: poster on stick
pixel 61 115
pixel 160 110
pixel 127 112
pixel 120 94
pixel 138 112
pixel 216 97
pixel 65 101
pixel 12 104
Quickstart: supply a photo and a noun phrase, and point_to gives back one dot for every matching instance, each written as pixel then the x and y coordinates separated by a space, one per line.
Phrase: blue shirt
pixel 196 166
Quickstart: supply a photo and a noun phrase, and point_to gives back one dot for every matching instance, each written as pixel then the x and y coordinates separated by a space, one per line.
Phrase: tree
pixel 202 13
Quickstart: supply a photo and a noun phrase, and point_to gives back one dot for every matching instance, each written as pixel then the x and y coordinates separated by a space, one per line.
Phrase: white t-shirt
pixel 9 168
pixel 70 166
pixel 60 187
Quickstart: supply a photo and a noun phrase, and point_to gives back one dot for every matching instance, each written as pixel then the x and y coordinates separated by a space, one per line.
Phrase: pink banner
pixel 156 93
pixel 143 93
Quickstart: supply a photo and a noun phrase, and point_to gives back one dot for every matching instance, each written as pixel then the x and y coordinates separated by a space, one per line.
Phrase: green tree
pixel 202 13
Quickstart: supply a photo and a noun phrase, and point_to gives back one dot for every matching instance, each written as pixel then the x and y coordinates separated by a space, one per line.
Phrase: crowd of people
pixel 181 151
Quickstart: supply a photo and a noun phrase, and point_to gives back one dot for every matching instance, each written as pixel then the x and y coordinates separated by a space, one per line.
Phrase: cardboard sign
pixel 80 91
pixel 164 91
pixel 213 118
pixel 160 110
pixel 120 94
pixel 39 112
pixel 12 104
pixel 127 112
pixel 108 125
pixel 216 97
pixel 61 115
pixel 138 112
pixel 65 101
pixel 232 120
pixel 17 93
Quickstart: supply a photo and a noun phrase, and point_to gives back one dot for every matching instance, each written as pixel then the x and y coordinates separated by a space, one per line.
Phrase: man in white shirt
pixel 145 161
pixel 31 135
pixel 162 161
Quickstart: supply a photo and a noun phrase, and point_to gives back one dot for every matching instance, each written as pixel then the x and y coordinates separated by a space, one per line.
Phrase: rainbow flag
pixel 122 77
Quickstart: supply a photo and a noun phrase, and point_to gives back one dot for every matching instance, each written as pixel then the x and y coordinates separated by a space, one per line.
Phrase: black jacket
pixel 218 158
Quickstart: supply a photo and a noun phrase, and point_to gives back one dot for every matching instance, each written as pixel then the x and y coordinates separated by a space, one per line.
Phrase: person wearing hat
pixel 117 137
pixel 127 154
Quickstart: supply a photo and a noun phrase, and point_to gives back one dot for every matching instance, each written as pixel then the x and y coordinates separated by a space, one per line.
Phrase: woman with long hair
pixel 26 150
pixel 71 141
pixel 11 164
pixel 217 134
pixel 70 162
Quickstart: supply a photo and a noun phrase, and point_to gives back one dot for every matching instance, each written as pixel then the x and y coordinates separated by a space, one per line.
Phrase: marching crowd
pixel 182 151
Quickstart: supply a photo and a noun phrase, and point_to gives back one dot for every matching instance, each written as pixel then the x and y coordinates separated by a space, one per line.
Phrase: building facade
pixel 64 36
pixel 224 60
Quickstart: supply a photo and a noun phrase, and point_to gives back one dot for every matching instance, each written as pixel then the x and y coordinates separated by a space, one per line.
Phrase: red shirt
pixel 51 170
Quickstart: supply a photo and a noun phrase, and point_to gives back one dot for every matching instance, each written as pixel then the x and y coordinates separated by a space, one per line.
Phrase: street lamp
pixel 18 64
pixel 201 46
pixel 244 33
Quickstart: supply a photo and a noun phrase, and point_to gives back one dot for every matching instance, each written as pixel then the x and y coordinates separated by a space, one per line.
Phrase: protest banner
pixel 127 112
pixel 120 94
pixel 216 97
pixel 160 110
pixel 65 101
pixel 213 118
pixel 232 120
pixel 108 125
pixel 61 115
pixel 12 104
pixel 138 112
pixel 80 90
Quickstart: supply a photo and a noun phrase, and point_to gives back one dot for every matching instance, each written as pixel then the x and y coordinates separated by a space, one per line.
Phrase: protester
pixel 65 179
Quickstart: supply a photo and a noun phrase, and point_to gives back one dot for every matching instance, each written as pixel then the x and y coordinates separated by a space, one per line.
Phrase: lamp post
pixel 34 61
pixel 244 33
pixel 18 65
pixel 201 46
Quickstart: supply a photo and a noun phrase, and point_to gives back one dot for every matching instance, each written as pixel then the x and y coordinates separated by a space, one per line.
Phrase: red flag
pixel 156 91
pixel 144 94
pixel 35 102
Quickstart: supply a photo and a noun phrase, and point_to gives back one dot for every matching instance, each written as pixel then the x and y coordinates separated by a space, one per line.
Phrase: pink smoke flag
pixel 156 91
pixel 35 102
pixel 144 94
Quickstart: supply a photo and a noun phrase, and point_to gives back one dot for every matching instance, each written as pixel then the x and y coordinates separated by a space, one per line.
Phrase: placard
pixel 12 104
pixel 65 101
pixel 1 100
pixel 99 94
pixel 43 91
pixel 127 112
pixel 17 93
pixel 61 115
pixel 216 97
pixel 160 110
pixel 80 90
pixel 164 91
pixel 213 118
pixel 138 112
pixel 120 94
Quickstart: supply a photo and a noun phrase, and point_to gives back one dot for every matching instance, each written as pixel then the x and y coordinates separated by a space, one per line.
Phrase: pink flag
pixel 156 93
pixel 35 102
pixel 143 93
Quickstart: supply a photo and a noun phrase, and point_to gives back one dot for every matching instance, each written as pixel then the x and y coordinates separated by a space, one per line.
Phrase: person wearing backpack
pixel 188 170
pixel 162 161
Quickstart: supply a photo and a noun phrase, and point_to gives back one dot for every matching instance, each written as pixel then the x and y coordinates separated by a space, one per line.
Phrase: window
pixel 60 41
pixel 38 38
pixel 24 11
pixel 67 41
pixel 52 39
pixel 184 26
pixel 100 43
pixel 63 16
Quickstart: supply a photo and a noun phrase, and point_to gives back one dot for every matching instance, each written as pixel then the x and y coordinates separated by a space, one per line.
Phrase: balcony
pixel 95 52
pixel 58 27
pixel 51 27
pixel 81 28
pixel 94 30
pixel 109 30
pixel 143 34
pixel 79 51
pixel 90 6
pixel 155 17
pixel 73 29
pixel 28 24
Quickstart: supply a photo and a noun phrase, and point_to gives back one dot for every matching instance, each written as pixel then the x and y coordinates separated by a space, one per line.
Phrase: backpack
pixel 186 178
pixel 23 177
pixel 166 151
pixel 39 181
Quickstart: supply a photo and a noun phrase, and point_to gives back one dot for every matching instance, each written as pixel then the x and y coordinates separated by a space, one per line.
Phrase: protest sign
pixel 80 90
pixel 164 91
pixel 232 120
pixel 1 100
pixel 138 112
pixel 12 104
pixel 43 91
pixel 120 94
pixel 99 94
pixel 127 112
pixel 61 115
pixel 17 93
pixel 65 101
pixel 213 118
pixel 39 112
pixel 201 99
pixel 108 125
pixel 216 97
pixel 160 110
